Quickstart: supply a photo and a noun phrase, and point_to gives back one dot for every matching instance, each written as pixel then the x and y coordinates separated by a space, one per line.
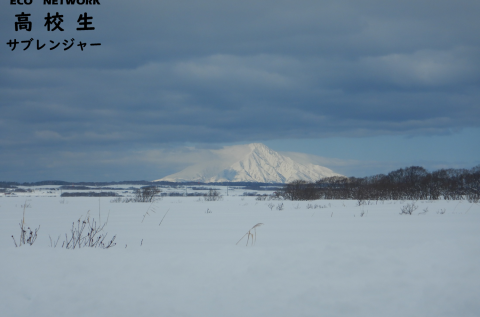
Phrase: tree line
pixel 411 183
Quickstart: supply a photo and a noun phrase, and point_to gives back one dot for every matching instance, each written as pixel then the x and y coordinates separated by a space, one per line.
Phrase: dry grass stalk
pixel 24 239
pixel 163 217
pixel 87 233
pixel 251 235
pixel 150 208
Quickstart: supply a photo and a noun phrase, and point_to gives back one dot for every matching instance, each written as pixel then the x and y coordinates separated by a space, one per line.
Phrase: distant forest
pixel 411 183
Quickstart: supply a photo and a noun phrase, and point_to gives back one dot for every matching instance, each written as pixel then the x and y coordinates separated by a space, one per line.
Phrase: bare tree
pixel 300 190
pixel 146 194
pixel 408 209
pixel 212 195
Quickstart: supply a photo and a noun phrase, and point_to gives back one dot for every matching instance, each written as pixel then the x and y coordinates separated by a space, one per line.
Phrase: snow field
pixel 305 262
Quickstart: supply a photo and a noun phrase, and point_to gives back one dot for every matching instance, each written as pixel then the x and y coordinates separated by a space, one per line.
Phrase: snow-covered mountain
pixel 249 163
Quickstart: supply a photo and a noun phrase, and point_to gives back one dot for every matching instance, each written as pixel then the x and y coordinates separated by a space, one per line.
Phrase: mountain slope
pixel 249 163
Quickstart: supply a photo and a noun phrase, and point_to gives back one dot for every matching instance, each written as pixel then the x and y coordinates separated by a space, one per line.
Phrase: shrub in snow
pixel 276 196
pixel 25 236
pixel 408 209
pixel 146 194
pixel 86 233
pixel 424 211
pixel 212 195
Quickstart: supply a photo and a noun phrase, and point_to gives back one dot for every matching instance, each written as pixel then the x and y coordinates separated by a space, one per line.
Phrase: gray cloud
pixel 171 72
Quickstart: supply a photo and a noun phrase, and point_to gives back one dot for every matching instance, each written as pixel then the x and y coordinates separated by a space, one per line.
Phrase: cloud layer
pixel 171 72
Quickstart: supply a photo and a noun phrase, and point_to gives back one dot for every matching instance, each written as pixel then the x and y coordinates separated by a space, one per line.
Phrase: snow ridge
pixel 250 163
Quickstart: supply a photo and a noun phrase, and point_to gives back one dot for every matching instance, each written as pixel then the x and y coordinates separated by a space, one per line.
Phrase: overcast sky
pixel 369 86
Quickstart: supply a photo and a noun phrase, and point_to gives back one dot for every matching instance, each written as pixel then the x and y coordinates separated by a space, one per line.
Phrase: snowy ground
pixel 326 261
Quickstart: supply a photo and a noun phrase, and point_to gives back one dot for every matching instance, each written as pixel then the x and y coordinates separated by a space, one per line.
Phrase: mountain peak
pixel 253 162
pixel 258 146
